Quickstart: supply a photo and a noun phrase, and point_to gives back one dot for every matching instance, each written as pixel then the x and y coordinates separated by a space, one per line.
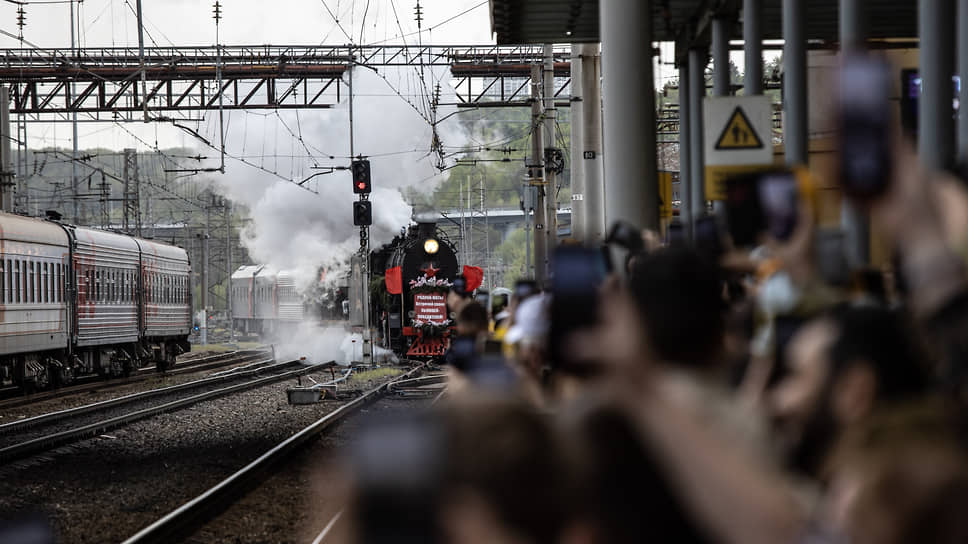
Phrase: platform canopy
pixel 573 21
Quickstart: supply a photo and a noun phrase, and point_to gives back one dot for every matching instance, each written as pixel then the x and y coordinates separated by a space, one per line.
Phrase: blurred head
pixel 503 474
pixel 480 469
pixel 680 297
pixel 619 479
pixel 839 369
pixel 898 485
pixel 472 320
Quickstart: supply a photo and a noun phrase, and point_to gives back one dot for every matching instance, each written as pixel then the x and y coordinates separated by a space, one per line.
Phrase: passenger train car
pixel 79 301
pixel 264 301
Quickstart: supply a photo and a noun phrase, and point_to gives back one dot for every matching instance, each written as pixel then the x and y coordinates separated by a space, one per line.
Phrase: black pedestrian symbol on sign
pixel 738 133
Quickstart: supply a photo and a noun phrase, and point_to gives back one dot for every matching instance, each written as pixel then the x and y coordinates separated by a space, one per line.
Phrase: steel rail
pixel 44 443
pixel 195 365
pixel 192 515
pixel 52 417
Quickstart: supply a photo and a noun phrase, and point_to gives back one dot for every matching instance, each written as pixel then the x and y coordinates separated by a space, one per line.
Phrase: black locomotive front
pixel 420 268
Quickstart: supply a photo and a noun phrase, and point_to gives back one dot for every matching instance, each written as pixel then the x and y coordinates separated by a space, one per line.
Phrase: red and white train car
pixel 76 300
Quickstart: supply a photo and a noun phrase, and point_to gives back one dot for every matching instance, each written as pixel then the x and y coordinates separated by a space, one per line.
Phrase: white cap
pixel 531 320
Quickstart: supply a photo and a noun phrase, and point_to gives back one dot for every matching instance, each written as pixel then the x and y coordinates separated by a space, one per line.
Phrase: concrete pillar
pixel 685 202
pixel 795 82
pixel 936 129
pixel 963 72
pixel 854 222
pixel 720 48
pixel 753 46
pixel 721 82
pixel 697 91
pixel 575 161
pixel 591 143
pixel 853 27
pixel 631 187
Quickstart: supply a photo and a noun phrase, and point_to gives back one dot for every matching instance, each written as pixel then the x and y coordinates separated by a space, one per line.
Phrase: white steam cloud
pixel 294 229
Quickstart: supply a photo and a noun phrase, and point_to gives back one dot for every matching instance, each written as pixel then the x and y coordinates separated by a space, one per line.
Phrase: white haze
pixel 294 229
pixel 322 344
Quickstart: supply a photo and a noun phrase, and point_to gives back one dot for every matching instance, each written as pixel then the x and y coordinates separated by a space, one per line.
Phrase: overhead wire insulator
pixel 418 11
pixel 217 12
pixel 21 21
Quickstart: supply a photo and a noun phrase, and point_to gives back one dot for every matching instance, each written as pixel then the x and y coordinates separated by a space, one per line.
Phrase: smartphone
pixel 779 202
pixel 396 465
pixel 460 285
pixel 865 126
pixel 744 216
pixel 830 256
pixel 762 202
pixel 578 274
pixel 484 299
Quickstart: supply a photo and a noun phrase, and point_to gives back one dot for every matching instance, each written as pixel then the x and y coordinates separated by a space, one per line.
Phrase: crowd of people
pixel 705 393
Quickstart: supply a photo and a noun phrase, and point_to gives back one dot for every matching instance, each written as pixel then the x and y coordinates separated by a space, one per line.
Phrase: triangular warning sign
pixel 739 133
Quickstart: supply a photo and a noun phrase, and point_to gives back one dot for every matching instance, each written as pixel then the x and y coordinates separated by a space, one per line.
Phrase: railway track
pixel 187 519
pixel 13 397
pixel 23 438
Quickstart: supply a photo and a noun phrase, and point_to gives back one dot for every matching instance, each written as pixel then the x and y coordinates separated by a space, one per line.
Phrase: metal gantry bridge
pixel 113 81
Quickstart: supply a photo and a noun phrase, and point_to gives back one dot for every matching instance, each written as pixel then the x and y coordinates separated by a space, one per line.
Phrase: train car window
pixel 28 282
pixel 36 280
pixel 17 290
pixel 44 284
pixel 3 282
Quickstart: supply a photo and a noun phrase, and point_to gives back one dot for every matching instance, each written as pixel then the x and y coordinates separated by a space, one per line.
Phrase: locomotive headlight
pixel 431 246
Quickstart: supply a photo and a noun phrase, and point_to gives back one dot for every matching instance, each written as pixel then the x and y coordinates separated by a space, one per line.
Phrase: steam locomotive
pixel 79 301
pixel 420 266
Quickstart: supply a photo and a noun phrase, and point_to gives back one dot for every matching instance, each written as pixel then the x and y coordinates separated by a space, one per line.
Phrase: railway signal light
pixel 362 213
pixel 361 176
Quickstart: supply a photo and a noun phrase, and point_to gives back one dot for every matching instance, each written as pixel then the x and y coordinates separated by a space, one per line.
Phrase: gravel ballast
pixel 297 502
pixel 107 488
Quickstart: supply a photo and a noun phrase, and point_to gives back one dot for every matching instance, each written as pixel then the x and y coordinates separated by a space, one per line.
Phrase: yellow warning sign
pixel 739 133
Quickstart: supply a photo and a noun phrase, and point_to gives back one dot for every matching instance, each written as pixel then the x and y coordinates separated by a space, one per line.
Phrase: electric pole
pixel 536 181
pixel 553 160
